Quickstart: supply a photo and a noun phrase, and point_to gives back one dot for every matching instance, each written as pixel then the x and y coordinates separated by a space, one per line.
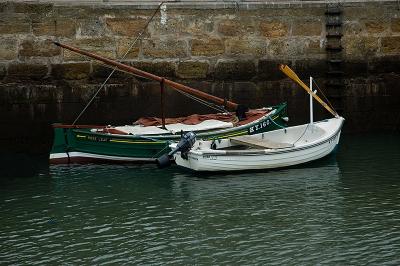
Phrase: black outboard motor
pixel 185 144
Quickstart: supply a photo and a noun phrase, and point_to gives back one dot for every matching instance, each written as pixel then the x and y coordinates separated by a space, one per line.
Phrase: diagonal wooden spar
pixel 290 73
pixel 170 83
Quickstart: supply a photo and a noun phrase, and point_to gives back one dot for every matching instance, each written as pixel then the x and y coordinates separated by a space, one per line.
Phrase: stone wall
pixel 230 50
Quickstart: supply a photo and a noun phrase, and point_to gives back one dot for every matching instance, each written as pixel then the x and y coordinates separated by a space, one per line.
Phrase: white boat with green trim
pixel 274 149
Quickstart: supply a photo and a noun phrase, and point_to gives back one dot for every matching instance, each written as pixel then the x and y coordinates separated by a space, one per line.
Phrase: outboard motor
pixel 185 144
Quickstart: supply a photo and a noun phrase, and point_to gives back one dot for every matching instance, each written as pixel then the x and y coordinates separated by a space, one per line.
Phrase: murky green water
pixel 338 211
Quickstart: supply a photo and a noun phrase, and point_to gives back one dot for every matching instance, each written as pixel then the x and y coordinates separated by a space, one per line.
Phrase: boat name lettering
pixel 210 157
pixel 98 139
pixel 258 127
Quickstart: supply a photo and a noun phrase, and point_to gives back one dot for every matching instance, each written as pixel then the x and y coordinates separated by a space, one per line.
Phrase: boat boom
pixel 170 83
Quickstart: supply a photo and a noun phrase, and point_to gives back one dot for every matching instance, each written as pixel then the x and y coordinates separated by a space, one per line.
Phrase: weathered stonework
pixel 27 71
pixel 395 25
pixel 8 48
pixel 307 28
pixel 192 69
pixel 3 71
pixel 55 27
pixel 376 27
pixel 157 67
pixel 235 70
pixel 274 28
pixel 164 48
pixel 125 26
pixel 207 47
pixel 71 71
pixel 37 47
pixel 228 49
pixel 248 46
pixel 391 45
pixel 236 27
pixel 104 46
pixel 126 49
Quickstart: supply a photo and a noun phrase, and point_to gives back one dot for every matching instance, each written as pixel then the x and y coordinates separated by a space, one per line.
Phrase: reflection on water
pixel 339 210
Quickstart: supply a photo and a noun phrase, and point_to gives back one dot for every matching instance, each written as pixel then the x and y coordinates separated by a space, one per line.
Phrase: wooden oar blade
pixel 290 73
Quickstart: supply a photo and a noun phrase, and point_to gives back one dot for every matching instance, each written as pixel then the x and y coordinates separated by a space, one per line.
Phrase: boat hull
pixel 81 145
pixel 235 160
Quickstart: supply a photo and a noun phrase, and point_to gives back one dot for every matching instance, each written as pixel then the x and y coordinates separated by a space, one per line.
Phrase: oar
pixel 290 73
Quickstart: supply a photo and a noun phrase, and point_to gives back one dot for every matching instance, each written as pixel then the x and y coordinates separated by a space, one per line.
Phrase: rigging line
pixel 301 134
pixel 215 107
pixel 326 98
pixel 115 68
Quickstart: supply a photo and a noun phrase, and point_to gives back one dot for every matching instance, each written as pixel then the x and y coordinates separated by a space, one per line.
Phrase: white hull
pixel 308 143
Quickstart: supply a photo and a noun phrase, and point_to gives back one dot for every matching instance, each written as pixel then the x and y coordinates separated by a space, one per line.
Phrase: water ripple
pixel 343 211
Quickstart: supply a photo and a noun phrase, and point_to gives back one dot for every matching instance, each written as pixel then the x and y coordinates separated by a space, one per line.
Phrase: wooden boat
pixel 274 149
pixel 279 148
pixel 138 143
pixel 144 143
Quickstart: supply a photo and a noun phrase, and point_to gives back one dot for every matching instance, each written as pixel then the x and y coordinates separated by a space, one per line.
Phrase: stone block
pixel 100 71
pixel 124 44
pixel 273 29
pixel 37 8
pixel 352 28
pixel 198 26
pixel 360 46
pixel 395 25
pixel 385 64
pixel 159 68
pixel 375 27
pixel 248 46
pixel 278 48
pixel 315 47
pixel 125 26
pixel 166 48
pixel 390 44
pixel 40 48
pixel 307 28
pixel 55 27
pixel 268 69
pixel 103 46
pixel 14 24
pixel 235 69
pixel 71 71
pixel 27 71
pixel 3 71
pixel 192 69
pixel 8 48
pixel 207 47
pixel 355 68
pixel 283 47
pixel 237 27
pixel 91 27
pixel 315 68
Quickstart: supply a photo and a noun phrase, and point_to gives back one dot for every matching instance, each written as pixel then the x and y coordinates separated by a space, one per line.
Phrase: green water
pixel 342 210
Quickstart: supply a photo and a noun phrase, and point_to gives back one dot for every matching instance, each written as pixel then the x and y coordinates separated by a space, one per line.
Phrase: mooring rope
pixel 115 68
pixel 322 92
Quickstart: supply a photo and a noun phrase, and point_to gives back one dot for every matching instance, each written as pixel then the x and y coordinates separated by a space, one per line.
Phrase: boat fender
pixel 185 144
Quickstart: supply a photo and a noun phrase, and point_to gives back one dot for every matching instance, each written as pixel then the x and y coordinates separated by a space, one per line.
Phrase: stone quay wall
pixel 230 49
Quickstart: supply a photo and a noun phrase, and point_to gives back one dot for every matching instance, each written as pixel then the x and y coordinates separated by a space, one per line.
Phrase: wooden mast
pixel 170 83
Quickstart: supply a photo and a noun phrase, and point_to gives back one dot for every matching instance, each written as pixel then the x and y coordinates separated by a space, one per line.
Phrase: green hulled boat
pixel 144 141
pixel 138 143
